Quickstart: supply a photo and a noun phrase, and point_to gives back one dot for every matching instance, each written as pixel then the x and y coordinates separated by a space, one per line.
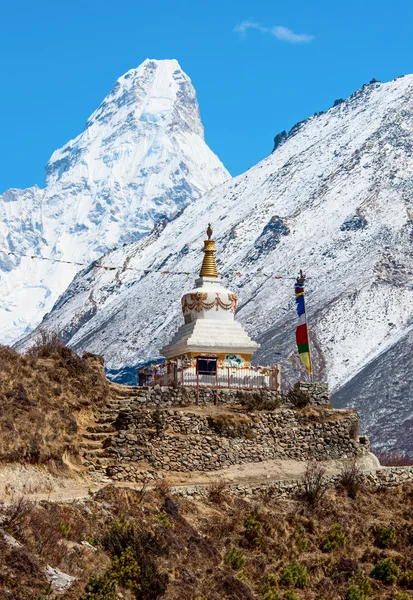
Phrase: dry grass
pixel 41 395
pixel 188 547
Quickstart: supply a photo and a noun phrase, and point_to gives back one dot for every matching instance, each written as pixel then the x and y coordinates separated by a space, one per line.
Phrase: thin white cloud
pixel 283 34
pixel 245 25
pixel 286 35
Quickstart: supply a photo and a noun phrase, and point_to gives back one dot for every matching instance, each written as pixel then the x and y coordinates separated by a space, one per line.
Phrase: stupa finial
pixel 209 267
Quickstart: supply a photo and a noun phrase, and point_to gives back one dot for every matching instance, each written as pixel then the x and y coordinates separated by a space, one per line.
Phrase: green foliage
pixel 335 539
pixel 406 579
pixel 123 537
pixel 64 528
pixel 271 595
pixel 162 519
pixel 253 531
pixel 360 588
pixel 234 558
pixel 92 540
pixel 401 596
pixel 355 593
pixel 47 594
pixel 268 587
pixel 126 571
pixel 100 588
pixel 386 571
pixel 385 537
pixel 295 575
pixel 303 543
pixel 243 577
pixel 290 595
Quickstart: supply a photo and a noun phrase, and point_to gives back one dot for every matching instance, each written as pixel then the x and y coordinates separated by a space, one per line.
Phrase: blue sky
pixel 258 67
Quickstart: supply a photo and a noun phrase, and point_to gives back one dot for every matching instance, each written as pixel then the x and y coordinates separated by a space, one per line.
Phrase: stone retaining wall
pixel 386 477
pixel 164 397
pixel 317 392
pixel 185 441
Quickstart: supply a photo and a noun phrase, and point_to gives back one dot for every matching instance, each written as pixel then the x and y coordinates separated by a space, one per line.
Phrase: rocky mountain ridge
pixel 141 158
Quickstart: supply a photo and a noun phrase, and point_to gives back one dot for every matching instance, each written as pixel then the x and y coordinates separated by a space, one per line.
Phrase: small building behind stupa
pixel 210 348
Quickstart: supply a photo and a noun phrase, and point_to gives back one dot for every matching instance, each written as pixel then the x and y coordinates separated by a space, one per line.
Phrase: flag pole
pixel 301 281
pixel 308 332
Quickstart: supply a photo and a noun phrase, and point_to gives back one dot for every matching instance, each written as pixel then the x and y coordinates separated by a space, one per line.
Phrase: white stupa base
pixel 210 336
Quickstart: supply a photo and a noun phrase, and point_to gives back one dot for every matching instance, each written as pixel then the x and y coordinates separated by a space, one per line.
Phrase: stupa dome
pixel 210 327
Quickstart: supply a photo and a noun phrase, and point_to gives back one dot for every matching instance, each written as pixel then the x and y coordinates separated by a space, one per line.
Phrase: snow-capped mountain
pixel 335 199
pixel 141 158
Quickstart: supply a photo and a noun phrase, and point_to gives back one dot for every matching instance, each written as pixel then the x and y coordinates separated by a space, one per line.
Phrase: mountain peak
pixel 141 158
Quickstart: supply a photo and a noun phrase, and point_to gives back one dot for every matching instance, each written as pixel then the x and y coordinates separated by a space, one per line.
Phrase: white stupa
pixel 210 328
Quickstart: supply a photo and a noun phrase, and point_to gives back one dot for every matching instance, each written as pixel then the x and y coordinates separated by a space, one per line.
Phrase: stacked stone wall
pixel 184 440
pixel 383 478
pixel 162 396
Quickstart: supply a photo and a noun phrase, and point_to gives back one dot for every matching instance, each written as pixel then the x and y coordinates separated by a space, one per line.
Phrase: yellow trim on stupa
pixel 209 267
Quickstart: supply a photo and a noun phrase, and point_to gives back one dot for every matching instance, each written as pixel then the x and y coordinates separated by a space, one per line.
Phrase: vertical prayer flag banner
pixel 301 334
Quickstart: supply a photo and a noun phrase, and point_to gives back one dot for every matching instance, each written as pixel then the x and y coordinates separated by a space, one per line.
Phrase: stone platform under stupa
pixel 210 347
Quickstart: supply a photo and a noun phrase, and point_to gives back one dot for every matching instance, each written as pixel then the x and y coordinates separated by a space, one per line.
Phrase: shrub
pixel 64 528
pixel 401 596
pixel 162 519
pixel 241 576
pixel 253 531
pixel 386 571
pixel 314 484
pixel 234 558
pixel 259 400
pixel 360 588
pixel 290 595
pixel 162 487
pixel 406 579
pixel 123 537
pixel 351 478
pixel 47 593
pixel 217 492
pixel 303 543
pixel 335 539
pixel 271 595
pixel 126 571
pixel 268 587
pixel 384 537
pixel 355 593
pixel 298 398
pixel 295 575
pixel 100 588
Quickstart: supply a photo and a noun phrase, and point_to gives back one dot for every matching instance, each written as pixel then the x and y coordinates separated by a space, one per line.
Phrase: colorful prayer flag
pixel 301 334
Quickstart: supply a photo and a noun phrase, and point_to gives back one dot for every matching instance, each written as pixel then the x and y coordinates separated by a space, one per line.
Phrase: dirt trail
pixel 36 484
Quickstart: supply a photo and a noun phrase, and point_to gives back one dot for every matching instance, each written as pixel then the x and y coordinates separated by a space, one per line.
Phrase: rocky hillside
pixel 44 396
pixel 334 199
pixel 140 159
pixel 124 543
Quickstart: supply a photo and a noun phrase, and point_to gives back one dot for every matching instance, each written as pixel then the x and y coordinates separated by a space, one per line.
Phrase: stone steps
pixel 100 428
pixel 95 453
pixel 91 444
pixel 95 449
pixel 97 437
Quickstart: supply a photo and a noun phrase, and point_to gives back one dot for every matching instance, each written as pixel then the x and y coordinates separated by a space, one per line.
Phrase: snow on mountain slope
pixel 384 391
pixel 334 199
pixel 140 159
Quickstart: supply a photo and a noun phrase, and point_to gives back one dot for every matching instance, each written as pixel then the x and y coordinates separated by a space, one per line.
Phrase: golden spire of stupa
pixel 209 267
